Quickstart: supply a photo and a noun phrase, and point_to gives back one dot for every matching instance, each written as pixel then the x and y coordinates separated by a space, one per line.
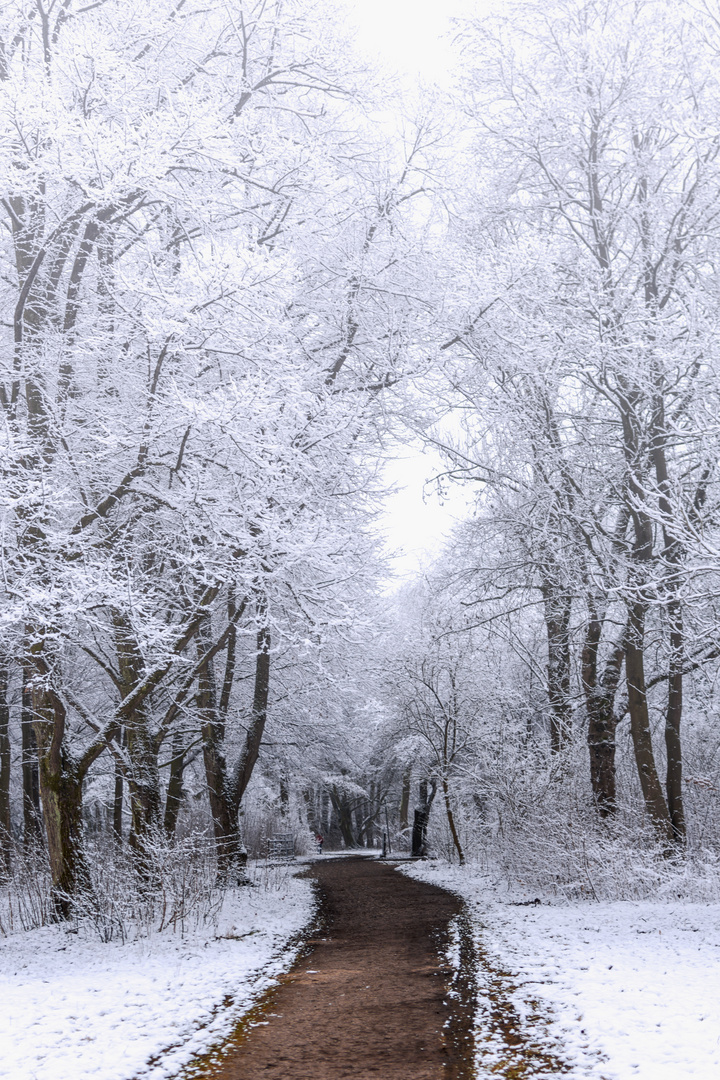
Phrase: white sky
pixel 416 521
pixel 407 34
pixel 411 37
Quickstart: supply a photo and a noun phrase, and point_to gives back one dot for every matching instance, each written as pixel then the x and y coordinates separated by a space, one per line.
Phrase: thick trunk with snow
pixel 600 690
pixel 558 607
pixel 61 785
pixel 32 815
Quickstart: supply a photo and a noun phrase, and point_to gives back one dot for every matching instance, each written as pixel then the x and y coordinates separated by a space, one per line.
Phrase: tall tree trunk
pixel 673 718
pixel 673 555
pixel 174 797
pixel 558 607
pixel 258 717
pixel 630 400
pixel 405 798
pixel 284 796
pixel 143 789
pixel 223 802
pixel 143 776
pixel 640 722
pixel 360 824
pixel 600 694
pixel 32 817
pixel 451 821
pixel 118 795
pixel 61 792
pixel 343 811
pixel 5 763
pixel 421 818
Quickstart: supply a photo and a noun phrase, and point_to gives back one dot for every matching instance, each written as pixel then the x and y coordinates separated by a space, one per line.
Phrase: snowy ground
pixel 74 1008
pixel 613 990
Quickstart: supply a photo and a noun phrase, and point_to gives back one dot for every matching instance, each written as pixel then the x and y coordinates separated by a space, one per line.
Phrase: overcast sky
pixel 410 36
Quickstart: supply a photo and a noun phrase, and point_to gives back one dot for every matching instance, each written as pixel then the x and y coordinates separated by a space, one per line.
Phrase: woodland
pixel 240 272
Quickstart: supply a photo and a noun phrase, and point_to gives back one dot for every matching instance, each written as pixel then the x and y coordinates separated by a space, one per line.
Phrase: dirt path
pixel 369 997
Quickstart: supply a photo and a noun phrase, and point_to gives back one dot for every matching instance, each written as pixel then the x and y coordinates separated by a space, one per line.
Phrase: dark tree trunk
pixel 602 723
pixel 32 817
pixel 558 607
pixel 223 808
pixel 175 792
pixel 421 818
pixel 451 821
pixel 640 723
pixel 258 717
pixel 405 798
pixel 673 555
pixel 5 763
pixel 62 810
pixel 673 719
pixel 360 824
pixel 143 776
pixel 284 796
pixel 118 796
pixel 630 401
pixel 343 811
pixel 600 706
pixel 419 832
pixel 61 791
pixel 223 802
pixel 144 792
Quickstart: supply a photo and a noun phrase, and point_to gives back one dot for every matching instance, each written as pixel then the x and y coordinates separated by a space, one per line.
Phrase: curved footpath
pixel 370 995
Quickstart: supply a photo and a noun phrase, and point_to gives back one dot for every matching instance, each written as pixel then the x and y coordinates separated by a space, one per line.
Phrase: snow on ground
pixel 75 1008
pixel 618 990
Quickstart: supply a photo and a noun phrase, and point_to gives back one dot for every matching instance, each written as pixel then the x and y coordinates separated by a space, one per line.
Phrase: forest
pixel 241 271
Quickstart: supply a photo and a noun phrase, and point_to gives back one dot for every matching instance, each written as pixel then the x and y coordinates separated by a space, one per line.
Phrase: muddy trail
pixel 391 982
pixel 372 994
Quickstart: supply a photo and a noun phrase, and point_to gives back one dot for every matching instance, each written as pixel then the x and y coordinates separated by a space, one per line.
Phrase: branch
pixel 153 678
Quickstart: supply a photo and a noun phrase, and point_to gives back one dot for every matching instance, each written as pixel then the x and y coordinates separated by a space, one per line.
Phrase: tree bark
pixel 421 818
pixel 224 803
pixel 143 776
pixel 118 795
pixel 673 717
pixel 558 607
pixel 600 707
pixel 451 821
pixel 175 792
pixel 32 816
pixel 343 810
pixel 61 792
pixel 655 804
pixel 226 794
pixel 284 795
pixel 5 764
pixel 258 717
pixel 405 798
pixel 640 723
